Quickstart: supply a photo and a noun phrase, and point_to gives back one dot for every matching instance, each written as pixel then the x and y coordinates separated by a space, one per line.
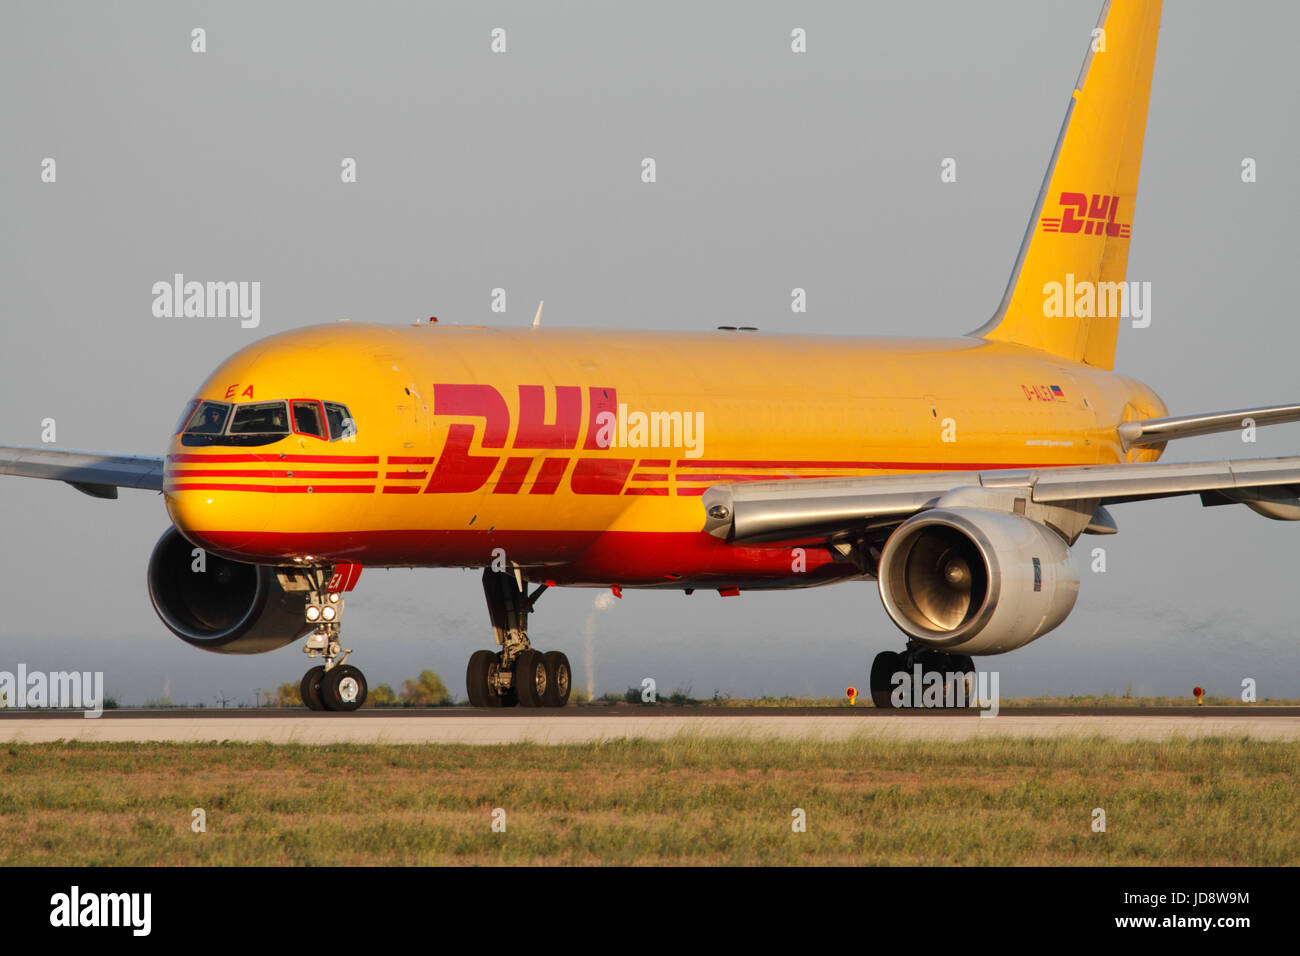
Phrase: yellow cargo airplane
pixel 957 473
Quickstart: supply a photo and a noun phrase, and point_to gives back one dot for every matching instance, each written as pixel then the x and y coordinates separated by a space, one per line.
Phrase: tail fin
pixel 1083 216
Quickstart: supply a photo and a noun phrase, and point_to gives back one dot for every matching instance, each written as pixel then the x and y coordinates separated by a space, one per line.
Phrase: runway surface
pixel 576 725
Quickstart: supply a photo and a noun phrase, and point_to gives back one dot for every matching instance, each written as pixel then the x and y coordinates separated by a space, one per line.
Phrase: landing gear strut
pixel 888 693
pixel 334 685
pixel 516 675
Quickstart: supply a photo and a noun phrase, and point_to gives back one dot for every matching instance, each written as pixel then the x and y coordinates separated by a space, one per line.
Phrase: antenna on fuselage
pixel 537 319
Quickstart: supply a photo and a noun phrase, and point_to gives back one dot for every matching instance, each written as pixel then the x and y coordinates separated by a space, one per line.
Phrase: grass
pixel 684 801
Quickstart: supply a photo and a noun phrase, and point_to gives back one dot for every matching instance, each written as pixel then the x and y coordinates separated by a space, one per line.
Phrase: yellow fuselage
pixel 538 447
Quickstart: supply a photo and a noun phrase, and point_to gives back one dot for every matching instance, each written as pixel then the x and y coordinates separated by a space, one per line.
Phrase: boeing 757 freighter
pixel 956 473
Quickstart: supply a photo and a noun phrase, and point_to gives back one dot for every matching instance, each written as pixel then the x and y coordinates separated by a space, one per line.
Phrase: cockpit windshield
pixel 184 420
pixel 340 420
pixel 261 423
pixel 262 418
pixel 307 418
pixel 210 419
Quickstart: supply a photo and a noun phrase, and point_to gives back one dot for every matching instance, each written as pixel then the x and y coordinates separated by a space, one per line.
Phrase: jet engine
pixel 974 581
pixel 227 607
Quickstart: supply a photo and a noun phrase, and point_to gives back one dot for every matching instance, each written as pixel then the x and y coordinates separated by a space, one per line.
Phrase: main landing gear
pixel 889 693
pixel 516 675
pixel 334 685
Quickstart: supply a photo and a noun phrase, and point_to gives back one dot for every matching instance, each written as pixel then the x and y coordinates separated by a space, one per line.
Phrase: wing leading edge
pixel 799 508
pixel 97 475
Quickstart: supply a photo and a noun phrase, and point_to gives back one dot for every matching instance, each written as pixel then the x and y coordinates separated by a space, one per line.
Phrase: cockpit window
pixel 184 420
pixel 209 419
pixel 307 418
pixel 263 423
pixel 262 418
pixel 340 421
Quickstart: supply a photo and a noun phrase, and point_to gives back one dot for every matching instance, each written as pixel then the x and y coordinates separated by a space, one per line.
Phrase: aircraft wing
pixel 94 474
pixel 799 508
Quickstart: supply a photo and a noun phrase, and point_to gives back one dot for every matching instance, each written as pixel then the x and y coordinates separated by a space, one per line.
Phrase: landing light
pixel 313 612
pixel 329 613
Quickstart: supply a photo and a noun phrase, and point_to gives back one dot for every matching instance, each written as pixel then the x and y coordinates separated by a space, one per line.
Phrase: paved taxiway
pixel 460 725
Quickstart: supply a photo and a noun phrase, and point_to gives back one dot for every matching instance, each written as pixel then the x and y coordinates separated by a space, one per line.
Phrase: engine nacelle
pixel 972 581
pixel 229 608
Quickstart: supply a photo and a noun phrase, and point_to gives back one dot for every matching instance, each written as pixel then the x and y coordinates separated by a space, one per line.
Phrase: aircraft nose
pixel 225 517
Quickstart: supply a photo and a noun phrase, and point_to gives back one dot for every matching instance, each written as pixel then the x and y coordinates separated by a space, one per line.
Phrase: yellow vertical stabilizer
pixel 1081 226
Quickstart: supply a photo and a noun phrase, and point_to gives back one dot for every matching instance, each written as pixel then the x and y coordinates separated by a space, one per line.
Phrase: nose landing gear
pixel 334 685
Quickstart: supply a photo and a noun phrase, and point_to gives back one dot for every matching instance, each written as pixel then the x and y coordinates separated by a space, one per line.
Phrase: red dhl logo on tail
pixel 1090 218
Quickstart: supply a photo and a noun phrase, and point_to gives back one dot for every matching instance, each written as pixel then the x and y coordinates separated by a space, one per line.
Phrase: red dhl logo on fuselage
pixel 1091 218
pixel 457 471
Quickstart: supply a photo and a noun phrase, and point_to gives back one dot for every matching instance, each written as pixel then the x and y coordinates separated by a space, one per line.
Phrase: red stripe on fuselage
pixel 931 466
pixel 271 457
pixel 751 477
pixel 265 473
pixel 667 559
pixel 269 489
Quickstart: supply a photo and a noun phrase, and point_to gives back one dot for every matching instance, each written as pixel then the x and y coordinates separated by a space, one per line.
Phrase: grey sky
pixel 521 170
